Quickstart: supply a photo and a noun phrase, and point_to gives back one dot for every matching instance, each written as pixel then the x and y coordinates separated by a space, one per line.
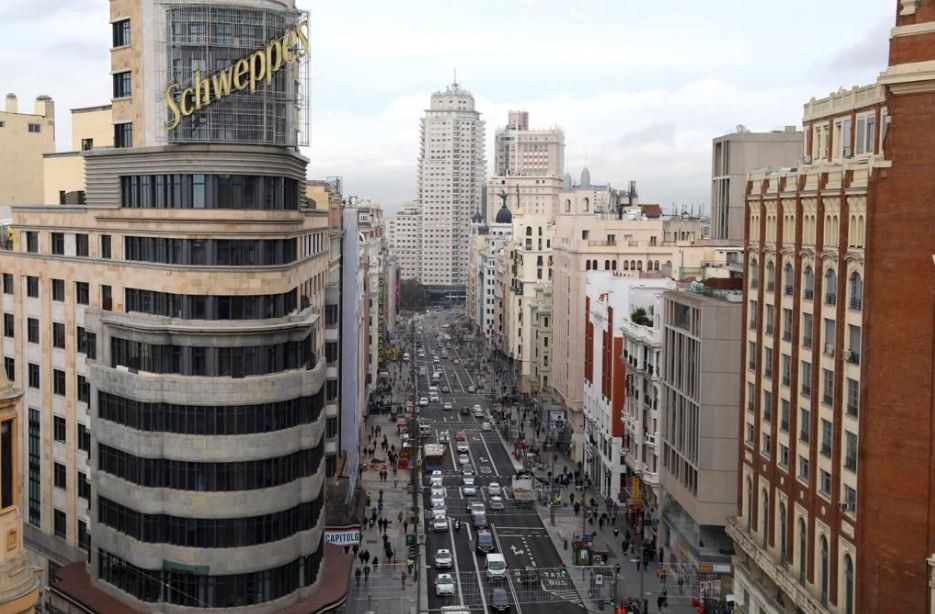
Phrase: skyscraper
pixel 451 179
pixel 528 153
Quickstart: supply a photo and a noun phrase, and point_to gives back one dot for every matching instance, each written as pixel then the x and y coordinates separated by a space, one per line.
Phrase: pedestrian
pixel 375 562
pixel 616 532
pixel 366 573
pixel 399 516
pixel 403 577
pixel 357 575
pixel 405 526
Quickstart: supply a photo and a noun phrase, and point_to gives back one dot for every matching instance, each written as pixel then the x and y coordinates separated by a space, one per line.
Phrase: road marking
pixel 480 582
pixel 493 529
pixel 454 557
pixel 516 551
pixel 495 472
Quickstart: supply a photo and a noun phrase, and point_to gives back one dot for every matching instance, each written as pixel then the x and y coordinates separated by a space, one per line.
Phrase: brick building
pixel 836 488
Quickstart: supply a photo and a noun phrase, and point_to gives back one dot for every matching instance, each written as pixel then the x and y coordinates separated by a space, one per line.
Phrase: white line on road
pixel 509 581
pixel 480 581
pixel 489 455
pixel 454 557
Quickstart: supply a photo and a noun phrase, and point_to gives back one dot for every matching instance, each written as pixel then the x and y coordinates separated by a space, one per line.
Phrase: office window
pixel 32 330
pixel 805 425
pixel 824 483
pixel 123 84
pixel 84 438
pixel 32 241
pixel 9 365
pixel 8 283
pixel 826 436
pixel 59 428
pixel 58 243
pixel 784 415
pixel 850 451
pixel 123 135
pixel 58 290
pixel 853 397
pixel 35 128
pixel 81 244
pixel 84 486
pixel 803 469
pixel 106 298
pixel 60 473
pixel 9 328
pixel 105 246
pixel 87 144
pixel 84 389
pixel 33 375
pixel 783 455
pixel 827 394
pixel 82 293
pixel 58 335
pixel 61 522
pixel 32 286
pixel 7 479
pixel 58 382
pixel 121 32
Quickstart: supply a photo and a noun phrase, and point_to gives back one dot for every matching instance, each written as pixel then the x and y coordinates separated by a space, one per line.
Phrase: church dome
pixel 504 216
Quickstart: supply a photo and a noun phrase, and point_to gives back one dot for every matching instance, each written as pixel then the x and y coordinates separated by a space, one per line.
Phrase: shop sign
pixel 342 537
pixel 245 73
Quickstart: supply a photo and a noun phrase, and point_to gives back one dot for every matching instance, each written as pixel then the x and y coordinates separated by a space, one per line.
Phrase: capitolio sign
pixel 245 73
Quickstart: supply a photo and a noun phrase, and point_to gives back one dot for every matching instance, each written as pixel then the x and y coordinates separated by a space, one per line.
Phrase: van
pixel 496 566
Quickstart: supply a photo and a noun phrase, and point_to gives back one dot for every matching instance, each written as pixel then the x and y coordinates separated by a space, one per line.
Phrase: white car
pixel 464 459
pixel 443 559
pixel 478 507
pixel 496 503
pixel 443 437
pixel 448 406
pixel 494 490
pixel 423 402
pixel 437 479
pixel 463 446
pixel 440 523
pixel 433 398
pixel 439 491
pixel 456 361
pixel 478 411
pixel 438 501
pixel 469 488
pixel 438 507
pixel 471 389
pixel 444 585
pixel 485 426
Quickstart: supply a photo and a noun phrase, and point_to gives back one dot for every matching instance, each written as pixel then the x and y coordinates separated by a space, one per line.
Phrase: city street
pixel 517 530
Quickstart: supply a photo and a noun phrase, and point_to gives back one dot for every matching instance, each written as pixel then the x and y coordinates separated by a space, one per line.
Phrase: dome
pixel 585 178
pixel 504 216
pixel 566 182
pixel 477 218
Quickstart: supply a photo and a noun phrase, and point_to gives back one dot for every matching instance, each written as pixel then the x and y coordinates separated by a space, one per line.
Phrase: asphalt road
pixel 518 531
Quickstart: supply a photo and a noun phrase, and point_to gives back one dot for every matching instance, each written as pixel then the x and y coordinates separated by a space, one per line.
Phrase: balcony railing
pixel 768 373
pixel 826 450
pixel 769 329
pixel 770 286
pixel 831 298
pixel 850 462
pixel 852 357
pixel 786 380
pixel 806 391
pixel 808 294
pixel 829 349
pixel 787 334
pixel 788 290
pixel 827 399
pixel 856 303
pixel 807 341
pixel 851 409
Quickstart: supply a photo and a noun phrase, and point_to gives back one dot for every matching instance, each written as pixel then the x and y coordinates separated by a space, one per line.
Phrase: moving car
pixel 406 357
pixel 493 489
pixel 440 523
pixel 443 437
pixel 465 410
pixel 443 559
pixel 459 436
pixel 462 446
pixel 467 470
pixel 469 504
pixel 437 479
pixel 478 411
pixel 438 501
pixel 439 491
pixel 471 388
pixel 477 507
pixel 480 521
pixel 496 503
pixel 496 566
pixel 485 426
pixel 499 602
pixel 444 585
pixel 456 361
pixel 448 406
pixel 485 541
pixel 433 398
pixel 464 459
pixel 423 402
pixel 446 389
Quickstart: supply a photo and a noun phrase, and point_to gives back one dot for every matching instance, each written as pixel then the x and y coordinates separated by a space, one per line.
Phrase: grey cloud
pixel 868 52
pixel 657 133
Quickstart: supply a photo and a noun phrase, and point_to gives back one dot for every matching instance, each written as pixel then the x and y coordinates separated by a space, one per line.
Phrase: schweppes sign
pixel 245 73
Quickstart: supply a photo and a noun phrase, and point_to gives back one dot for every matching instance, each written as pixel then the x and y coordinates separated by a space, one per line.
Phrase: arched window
pixel 857 291
pixel 529 231
pixel 788 279
pixel 754 274
pixel 639 265
pixel 831 287
pixel 808 283
pixel 567 205
pixel 657 265
pixel 540 231
pixel 770 276
pixel 587 203
pixel 633 265
pixel 613 265
pixel 848 584
pixel 594 264
pixel 823 580
pixel 782 533
pixel 749 505
pixel 764 512
pixel 587 265
pixel 626 265
pixel 607 265
pixel 803 549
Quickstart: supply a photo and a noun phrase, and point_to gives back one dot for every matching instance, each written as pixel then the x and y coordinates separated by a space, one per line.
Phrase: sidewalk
pixel 384 591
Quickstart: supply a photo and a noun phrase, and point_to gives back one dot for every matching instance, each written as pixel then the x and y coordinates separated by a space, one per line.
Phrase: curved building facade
pixel 185 300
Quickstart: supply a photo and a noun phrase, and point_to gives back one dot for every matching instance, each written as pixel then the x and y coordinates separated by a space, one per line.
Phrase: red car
pixel 459 436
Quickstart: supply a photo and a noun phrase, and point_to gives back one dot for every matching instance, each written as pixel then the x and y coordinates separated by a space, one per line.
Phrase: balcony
pixel 856 303
pixel 770 286
pixel 787 334
pixel 769 329
pixel 829 349
pixel 788 290
pixel 808 294
pixel 831 298
pixel 826 450
pixel 609 243
pixel 827 399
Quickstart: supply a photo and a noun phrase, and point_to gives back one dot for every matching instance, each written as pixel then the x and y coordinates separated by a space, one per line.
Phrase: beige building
pixel 63 172
pixel 520 151
pixel 404 237
pixel 732 157
pixel 24 139
pixel 701 389
pixel 594 232
pixel 19 583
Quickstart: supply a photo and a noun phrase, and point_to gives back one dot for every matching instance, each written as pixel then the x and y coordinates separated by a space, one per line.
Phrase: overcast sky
pixel 639 86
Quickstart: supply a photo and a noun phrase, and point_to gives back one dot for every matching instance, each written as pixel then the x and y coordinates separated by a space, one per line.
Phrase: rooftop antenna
pixel 456 77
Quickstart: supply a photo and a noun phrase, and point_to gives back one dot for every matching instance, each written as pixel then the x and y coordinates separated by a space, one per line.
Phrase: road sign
pixel 598 579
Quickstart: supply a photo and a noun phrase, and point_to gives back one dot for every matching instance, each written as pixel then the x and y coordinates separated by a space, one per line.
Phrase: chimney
pixel 45 107
pixel 11 106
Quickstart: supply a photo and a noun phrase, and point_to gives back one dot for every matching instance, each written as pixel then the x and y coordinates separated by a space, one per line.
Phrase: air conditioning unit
pixel 829 349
